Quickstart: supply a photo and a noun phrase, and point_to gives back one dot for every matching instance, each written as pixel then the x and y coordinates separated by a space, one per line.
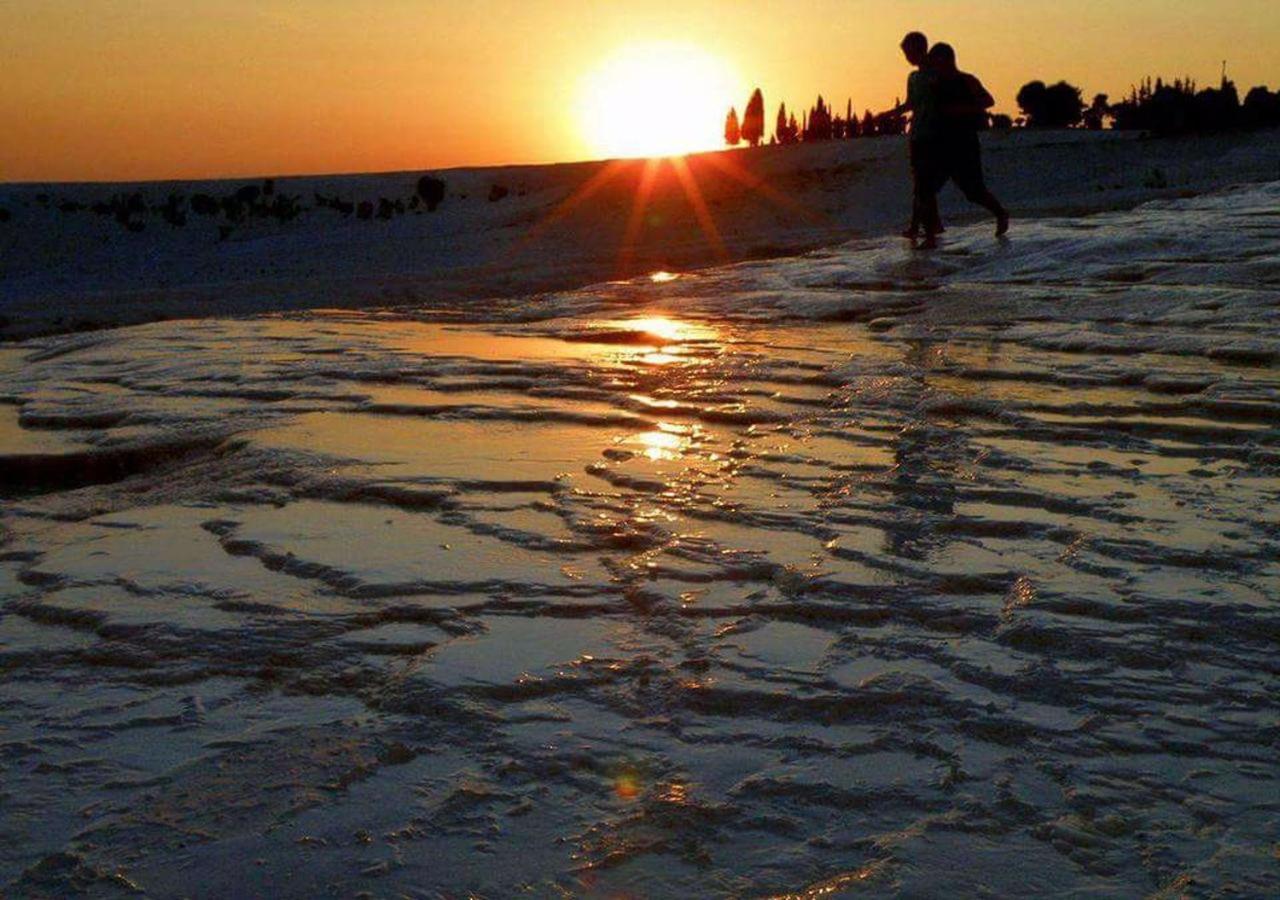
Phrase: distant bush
pixel 1001 122
pixel 498 192
pixel 337 204
pixel 431 190
pixel 174 210
pixel 204 205
pixel 1051 106
pixel 233 208
pixel 283 207
pixel 364 211
pixel 5 215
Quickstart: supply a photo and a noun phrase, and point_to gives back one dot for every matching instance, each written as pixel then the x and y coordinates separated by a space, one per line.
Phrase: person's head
pixel 943 58
pixel 915 47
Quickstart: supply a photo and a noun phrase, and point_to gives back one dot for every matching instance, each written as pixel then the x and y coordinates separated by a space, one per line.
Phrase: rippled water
pixel 859 572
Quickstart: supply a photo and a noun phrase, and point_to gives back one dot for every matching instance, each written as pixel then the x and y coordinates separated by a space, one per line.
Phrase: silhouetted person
pixel 926 127
pixel 961 103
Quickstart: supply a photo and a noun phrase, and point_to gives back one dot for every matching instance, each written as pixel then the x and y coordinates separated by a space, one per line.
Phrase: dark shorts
pixel 956 158
pixel 963 163
pixel 927 169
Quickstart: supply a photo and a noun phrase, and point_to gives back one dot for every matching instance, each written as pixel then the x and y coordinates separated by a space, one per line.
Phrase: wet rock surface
pixel 858 571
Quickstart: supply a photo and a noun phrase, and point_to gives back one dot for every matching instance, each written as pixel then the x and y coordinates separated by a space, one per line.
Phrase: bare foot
pixel 1002 224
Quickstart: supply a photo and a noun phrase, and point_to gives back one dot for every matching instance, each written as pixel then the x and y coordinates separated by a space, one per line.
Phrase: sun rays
pixel 698 182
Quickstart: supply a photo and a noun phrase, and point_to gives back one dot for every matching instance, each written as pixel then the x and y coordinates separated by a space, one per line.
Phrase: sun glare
pixel 657 100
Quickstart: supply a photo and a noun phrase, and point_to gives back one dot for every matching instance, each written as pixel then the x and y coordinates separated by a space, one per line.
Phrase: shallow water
pixel 861 571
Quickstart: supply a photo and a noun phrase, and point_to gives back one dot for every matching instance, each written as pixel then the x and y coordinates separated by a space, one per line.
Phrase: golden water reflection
pixel 648 340
pixel 659 445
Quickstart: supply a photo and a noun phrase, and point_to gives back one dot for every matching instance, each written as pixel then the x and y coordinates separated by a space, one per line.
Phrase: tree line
pixel 1156 106
pixel 1175 107
pixel 819 123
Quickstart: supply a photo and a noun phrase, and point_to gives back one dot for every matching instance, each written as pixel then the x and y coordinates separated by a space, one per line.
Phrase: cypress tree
pixel 753 120
pixel 732 131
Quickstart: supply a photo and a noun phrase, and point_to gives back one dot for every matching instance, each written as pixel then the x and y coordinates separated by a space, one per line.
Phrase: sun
pixel 659 99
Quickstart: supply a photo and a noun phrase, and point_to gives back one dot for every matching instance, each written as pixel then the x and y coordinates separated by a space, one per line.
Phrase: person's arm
pixel 903 107
pixel 973 100
pixel 981 96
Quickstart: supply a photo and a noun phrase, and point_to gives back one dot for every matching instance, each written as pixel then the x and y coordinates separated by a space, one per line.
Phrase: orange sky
pixel 141 89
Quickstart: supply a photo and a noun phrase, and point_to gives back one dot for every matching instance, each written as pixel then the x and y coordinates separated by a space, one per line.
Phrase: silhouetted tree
pixel 1261 109
pixel 818 123
pixel 1056 106
pixel 1097 112
pixel 732 130
pixel 753 119
pixel 785 130
pixel 1177 107
pixel 1217 109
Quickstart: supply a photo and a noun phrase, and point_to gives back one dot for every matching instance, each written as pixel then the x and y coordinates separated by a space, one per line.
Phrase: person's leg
pixel 933 175
pixel 913 230
pixel 969 178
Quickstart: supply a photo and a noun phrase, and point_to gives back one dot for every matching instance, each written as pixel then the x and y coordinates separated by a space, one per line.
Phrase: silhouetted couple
pixel 948 109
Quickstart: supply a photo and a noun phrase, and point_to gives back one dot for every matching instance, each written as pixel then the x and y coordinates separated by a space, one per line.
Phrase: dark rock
pixel 5 215
pixel 497 192
pixel 365 210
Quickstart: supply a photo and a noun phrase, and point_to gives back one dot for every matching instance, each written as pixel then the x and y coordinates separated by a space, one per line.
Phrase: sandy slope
pixel 67 270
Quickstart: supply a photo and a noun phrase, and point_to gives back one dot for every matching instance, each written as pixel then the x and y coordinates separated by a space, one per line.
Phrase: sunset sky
pixel 142 89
